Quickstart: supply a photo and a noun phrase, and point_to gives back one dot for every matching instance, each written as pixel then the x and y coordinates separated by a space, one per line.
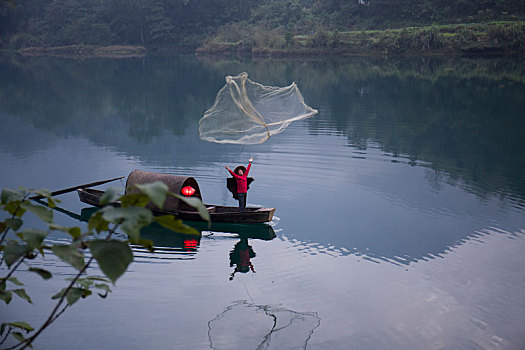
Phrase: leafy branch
pixel 113 256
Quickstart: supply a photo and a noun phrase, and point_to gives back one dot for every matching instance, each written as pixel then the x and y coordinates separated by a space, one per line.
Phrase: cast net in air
pixel 246 112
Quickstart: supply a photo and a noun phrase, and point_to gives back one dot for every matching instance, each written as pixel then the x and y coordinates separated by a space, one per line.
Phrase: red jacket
pixel 242 182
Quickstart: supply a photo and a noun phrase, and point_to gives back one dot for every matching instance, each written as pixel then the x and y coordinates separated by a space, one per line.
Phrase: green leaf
pixel 43 273
pixel 20 337
pixel 51 202
pixel 197 204
pixel 113 257
pixel 32 237
pixel 104 287
pixel 133 218
pixel 146 243
pixel 57 227
pixel 6 296
pixel 74 232
pixel 156 191
pixel 86 293
pixel 59 294
pixel 45 214
pixel 85 283
pixel 14 208
pixel 115 214
pixel 20 324
pixel 97 222
pixel 134 200
pixel 14 223
pixel 3 285
pixel 15 281
pixel 22 294
pixel 171 223
pixel 100 279
pixel 14 251
pixel 131 229
pixel 3 226
pixel 111 195
pixel 73 295
pixel 69 254
pixel 9 195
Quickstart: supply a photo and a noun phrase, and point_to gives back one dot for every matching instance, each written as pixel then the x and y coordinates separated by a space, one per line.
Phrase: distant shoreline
pixel 452 39
pixel 494 38
pixel 85 51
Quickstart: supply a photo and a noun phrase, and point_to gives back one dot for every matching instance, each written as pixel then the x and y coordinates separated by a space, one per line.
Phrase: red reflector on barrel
pixel 188 191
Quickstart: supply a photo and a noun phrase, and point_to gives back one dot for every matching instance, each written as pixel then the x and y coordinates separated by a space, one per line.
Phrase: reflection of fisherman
pixel 241 178
pixel 240 256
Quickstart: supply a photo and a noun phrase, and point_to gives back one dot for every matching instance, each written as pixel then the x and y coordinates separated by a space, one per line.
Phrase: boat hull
pixel 218 213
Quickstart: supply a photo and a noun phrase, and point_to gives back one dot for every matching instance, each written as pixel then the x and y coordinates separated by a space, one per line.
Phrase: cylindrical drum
pixel 182 185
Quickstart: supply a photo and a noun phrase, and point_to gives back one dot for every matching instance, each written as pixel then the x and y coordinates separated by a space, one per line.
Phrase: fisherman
pixel 241 178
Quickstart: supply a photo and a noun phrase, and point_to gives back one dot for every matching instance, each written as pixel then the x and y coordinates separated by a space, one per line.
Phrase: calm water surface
pixel 400 207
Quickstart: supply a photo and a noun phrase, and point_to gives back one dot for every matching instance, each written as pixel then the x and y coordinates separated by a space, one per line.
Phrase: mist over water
pixel 400 206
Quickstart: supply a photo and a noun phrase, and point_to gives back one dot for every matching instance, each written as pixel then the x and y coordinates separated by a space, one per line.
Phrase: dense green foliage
pixel 24 248
pixel 492 37
pixel 180 24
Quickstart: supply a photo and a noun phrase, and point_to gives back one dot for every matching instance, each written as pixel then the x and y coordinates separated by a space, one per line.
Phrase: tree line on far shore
pixel 187 24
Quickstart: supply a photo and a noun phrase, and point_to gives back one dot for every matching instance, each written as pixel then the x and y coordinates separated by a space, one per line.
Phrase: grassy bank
pixel 116 51
pixel 487 38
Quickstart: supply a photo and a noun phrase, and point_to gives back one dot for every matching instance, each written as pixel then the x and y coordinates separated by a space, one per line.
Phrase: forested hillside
pixel 187 24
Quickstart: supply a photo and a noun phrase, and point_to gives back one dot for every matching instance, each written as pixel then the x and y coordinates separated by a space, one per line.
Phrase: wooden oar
pixel 71 189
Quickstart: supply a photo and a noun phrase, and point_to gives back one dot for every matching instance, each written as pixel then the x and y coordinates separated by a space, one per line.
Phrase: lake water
pixel 400 206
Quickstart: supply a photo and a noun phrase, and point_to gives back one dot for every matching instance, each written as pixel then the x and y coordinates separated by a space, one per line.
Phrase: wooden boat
pixel 176 184
pixel 218 213
pixel 262 231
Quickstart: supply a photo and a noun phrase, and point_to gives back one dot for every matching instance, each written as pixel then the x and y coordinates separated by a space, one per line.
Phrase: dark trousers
pixel 242 201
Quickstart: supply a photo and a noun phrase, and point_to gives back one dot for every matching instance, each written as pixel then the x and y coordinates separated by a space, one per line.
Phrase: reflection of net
pixel 244 325
pixel 245 112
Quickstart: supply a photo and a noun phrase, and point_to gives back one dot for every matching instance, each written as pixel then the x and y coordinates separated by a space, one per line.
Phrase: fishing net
pixel 246 112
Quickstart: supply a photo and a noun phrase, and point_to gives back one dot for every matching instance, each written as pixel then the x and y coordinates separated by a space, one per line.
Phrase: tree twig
pixel 56 313
pixel 14 269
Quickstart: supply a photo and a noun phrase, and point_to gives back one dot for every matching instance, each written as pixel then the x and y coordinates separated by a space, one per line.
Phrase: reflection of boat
pixel 185 186
pixel 163 237
pixel 255 231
